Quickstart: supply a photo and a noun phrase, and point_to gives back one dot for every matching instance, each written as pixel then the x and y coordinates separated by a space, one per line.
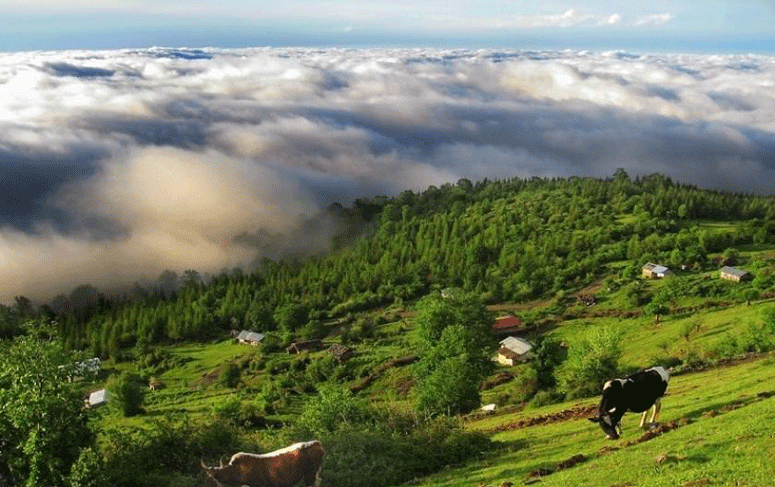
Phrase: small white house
pixel 513 350
pixel 250 337
pixel 97 398
pixel 655 271
pixel 89 366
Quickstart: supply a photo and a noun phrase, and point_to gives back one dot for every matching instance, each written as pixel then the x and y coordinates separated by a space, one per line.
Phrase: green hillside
pixel 563 256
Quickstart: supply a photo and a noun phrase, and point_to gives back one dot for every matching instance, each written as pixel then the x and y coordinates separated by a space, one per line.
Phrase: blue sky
pixel 656 25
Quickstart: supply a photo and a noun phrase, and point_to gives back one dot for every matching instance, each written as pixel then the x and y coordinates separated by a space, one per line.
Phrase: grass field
pixel 717 427
pixel 724 426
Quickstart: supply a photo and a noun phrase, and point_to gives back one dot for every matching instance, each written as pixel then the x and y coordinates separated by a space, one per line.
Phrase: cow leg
pixel 657 409
pixel 643 418
pixel 313 480
pixel 318 479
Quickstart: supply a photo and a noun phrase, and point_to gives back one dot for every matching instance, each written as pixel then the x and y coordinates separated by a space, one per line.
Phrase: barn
pixel 341 352
pixel 302 346
pixel 734 274
pixel 655 271
pixel 513 350
pixel 506 325
pixel 250 337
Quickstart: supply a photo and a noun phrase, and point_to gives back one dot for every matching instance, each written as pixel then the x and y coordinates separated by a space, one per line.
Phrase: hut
pixel 513 350
pixel 734 274
pixel 655 271
pixel 341 352
pixel 303 346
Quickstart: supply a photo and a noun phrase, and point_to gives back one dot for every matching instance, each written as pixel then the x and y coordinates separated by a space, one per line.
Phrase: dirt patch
pixel 564 415
pixel 208 378
pixel 696 483
pixel 571 462
pixel 374 374
pixel 543 472
pixel 499 379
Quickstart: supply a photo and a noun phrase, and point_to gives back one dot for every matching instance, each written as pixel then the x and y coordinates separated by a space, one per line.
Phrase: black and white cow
pixel 637 393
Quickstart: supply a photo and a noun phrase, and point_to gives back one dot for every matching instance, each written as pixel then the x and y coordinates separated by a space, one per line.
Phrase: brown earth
pixel 564 415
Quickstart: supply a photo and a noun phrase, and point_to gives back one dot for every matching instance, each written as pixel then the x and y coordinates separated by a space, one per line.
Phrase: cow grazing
pixel 282 468
pixel 637 393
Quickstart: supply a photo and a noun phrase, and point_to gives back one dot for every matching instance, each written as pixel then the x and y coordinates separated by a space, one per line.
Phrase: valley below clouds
pixel 116 165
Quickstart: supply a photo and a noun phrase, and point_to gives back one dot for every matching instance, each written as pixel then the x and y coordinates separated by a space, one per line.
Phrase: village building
pixel 97 398
pixel 250 337
pixel 86 368
pixel 506 325
pixel 303 346
pixel 655 271
pixel 514 350
pixel 341 352
pixel 734 274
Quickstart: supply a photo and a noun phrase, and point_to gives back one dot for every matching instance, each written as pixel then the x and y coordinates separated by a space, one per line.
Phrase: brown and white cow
pixel 282 468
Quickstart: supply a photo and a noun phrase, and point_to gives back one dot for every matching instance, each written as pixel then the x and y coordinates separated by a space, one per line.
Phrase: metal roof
pixel 734 271
pixel 516 345
pixel 250 336
pixel 98 397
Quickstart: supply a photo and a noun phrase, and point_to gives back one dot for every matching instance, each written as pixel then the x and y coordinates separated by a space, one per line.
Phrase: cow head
pixel 611 409
pixel 612 429
pixel 213 474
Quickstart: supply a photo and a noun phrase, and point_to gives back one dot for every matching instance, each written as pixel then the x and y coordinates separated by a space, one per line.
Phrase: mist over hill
pixel 120 164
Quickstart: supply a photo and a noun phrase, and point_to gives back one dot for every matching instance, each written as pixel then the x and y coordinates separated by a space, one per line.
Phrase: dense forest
pixel 505 241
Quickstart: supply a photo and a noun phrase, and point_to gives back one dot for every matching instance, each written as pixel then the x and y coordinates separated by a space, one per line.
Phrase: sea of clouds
pixel 115 165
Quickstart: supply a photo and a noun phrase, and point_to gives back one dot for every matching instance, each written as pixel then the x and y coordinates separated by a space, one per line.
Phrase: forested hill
pixel 508 241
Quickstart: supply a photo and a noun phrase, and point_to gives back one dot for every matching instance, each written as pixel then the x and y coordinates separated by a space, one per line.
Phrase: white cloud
pixel 119 164
pixel 567 19
pixel 612 19
pixel 656 19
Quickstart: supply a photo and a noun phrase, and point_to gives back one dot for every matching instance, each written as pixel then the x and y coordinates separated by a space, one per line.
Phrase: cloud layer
pixel 115 165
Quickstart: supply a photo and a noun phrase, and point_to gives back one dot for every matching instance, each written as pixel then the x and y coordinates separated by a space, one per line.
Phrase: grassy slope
pixel 726 449
pixel 732 448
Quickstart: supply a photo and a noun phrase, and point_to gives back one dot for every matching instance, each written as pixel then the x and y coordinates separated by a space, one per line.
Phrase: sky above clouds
pixel 663 25
pixel 118 164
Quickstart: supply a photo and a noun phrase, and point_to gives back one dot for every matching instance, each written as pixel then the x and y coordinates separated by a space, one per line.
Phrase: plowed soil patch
pixel 564 415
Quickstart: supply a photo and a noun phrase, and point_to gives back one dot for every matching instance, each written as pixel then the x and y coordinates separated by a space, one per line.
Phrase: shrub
pixel 230 375
pixel 591 361
pixel 546 397
pixel 127 393
pixel 381 447
pixel 166 453
pixel 229 410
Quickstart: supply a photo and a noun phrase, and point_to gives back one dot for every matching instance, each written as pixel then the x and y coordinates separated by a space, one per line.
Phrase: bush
pixel 229 410
pixel 591 361
pixel 333 408
pixel 230 375
pixel 166 453
pixel 381 447
pixel 546 397
pixel 127 393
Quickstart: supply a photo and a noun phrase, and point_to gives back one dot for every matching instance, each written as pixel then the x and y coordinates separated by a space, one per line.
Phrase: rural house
pixel 341 352
pixel 734 274
pixel 250 337
pixel 513 350
pixel 506 325
pixel 88 367
pixel 309 345
pixel 655 271
pixel 97 398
